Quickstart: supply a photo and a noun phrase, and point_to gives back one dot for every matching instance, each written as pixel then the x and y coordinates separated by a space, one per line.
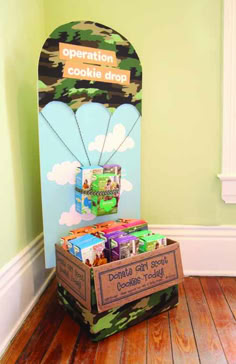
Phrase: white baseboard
pixel 22 281
pixel 205 250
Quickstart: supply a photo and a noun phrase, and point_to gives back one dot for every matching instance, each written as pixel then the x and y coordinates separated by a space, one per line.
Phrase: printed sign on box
pixel 74 276
pixel 123 281
pixel 132 278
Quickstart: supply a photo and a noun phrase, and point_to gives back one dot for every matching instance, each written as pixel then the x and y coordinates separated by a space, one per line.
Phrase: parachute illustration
pixel 87 122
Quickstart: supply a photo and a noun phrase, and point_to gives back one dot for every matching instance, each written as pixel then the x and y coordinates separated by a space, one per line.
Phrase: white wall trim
pixel 228 191
pixel 228 174
pixel 205 250
pixel 22 281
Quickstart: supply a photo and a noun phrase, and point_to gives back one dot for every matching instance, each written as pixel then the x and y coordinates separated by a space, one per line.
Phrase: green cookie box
pixel 105 204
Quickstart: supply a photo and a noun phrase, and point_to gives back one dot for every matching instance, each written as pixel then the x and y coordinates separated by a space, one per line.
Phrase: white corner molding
pixel 228 187
pixel 205 250
pixel 228 174
pixel 22 281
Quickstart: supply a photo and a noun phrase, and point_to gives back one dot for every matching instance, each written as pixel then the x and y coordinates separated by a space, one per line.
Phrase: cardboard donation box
pixel 115 273
pixel 114 296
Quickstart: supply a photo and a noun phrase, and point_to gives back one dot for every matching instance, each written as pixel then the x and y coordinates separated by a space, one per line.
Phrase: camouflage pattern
pixel 104 324
pixel 73 92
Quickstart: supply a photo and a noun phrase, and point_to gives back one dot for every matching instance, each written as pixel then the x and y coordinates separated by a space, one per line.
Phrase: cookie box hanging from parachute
pixel 90 93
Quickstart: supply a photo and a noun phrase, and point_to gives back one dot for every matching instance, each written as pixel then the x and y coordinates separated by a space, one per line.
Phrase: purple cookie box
pixel 108 237
pixel 126 246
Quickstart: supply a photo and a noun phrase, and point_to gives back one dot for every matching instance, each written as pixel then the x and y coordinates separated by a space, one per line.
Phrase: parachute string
pixel 123 140
pixel 104 141
pixel 60 138
pixel 102 150
pixel 81 137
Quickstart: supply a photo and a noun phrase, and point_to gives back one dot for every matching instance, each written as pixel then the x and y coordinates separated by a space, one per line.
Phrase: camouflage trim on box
pixel 104 324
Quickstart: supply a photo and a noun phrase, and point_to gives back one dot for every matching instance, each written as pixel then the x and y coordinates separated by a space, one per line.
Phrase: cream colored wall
pixel 22 34
pixel 180 46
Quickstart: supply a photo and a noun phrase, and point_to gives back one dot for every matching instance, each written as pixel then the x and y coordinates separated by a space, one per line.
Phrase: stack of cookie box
pixel 117 295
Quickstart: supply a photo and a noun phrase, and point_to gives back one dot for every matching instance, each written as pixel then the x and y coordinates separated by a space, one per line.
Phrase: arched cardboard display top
pixel 90 85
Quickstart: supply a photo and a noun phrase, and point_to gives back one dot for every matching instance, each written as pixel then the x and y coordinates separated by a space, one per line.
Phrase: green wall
pixel 22 34
pixel 180 46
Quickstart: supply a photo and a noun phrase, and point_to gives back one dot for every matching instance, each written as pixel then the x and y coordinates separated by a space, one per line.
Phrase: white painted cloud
pixel 126 186
pixel 63 173
pixel 87 217
pixel 73 217
pixel 113 140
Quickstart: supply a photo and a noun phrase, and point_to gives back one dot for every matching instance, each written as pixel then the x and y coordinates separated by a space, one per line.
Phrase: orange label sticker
pixel 69 52
pixel 83 71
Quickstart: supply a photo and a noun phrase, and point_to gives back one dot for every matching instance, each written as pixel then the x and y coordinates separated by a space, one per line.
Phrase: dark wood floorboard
pixel 183 341
pixel 222 315
pixel 42 337
pixel 61 348
pixel 134 345
pixel 30 325
pixel 209 346
pixel 201 329
pixel 109 350
pixel 228 286
pixel 159 341
pixel 84 351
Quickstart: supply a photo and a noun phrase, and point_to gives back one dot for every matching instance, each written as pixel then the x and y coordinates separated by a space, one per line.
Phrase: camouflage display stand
pixel 89 101
pixel 104 324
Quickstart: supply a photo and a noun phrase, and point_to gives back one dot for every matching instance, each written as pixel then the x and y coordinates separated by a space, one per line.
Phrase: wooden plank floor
pixel 202 329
